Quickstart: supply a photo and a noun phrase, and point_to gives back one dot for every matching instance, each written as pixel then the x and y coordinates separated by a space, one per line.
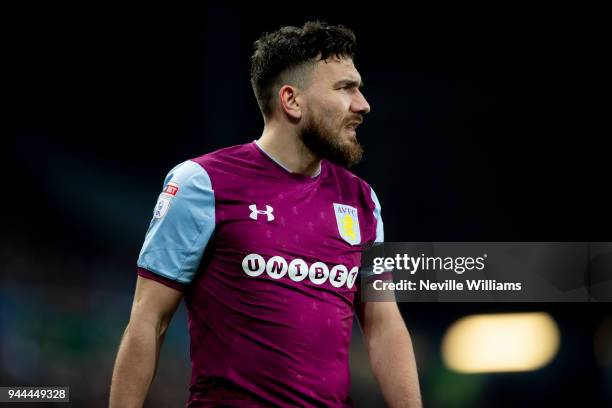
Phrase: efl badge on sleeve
pixel 165 199
pixel 348 223
pixel 161 208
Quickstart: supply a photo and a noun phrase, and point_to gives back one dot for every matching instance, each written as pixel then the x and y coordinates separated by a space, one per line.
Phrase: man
pixel 264 241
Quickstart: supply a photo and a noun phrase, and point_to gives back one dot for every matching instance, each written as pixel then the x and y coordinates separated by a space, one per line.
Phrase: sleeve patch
pixel 171 189
pixel 161 208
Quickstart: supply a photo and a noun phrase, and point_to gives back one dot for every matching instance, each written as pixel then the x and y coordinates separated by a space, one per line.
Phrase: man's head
pixel 306 77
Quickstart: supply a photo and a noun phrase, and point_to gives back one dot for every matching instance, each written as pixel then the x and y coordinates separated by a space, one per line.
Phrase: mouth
pixel 351 127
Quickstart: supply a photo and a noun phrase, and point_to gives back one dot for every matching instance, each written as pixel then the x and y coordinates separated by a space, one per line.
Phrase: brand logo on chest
pixel 297 269
pixel 255 212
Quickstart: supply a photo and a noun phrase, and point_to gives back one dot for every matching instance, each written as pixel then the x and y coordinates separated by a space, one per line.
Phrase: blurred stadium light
pixel 500 342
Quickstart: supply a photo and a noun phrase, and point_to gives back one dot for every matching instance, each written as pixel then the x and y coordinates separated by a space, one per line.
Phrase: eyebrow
pixel 349 82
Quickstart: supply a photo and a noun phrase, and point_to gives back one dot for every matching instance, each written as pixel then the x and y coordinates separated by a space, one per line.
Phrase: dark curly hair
pixel 287 55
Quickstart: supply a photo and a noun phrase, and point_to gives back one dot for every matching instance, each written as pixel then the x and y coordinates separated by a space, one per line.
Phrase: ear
pixel 290 101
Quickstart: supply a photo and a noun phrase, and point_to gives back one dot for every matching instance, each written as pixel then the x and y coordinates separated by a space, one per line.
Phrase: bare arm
pixel 389 347
pixel 153 307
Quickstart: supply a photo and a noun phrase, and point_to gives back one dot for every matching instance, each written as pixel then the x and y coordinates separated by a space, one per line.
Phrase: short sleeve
pixel 380 231
pixel 182 225
pixel 367 273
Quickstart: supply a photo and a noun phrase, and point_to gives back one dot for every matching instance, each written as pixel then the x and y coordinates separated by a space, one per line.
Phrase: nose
pixel 359 103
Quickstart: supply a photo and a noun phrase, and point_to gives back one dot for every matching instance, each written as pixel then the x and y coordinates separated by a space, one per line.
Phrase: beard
pixel 327 143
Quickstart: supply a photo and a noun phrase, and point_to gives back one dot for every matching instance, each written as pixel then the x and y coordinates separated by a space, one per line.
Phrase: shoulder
pixel 226 167
pixel 186 180
pixel 347 180
pixel 185 171
pixel 225 156
pixel 198 171
pixel 355 190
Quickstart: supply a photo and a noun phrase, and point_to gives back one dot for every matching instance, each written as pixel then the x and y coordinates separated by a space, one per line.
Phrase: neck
pixel 285 146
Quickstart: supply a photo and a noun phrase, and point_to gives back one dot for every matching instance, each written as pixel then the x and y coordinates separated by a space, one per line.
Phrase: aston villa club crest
pixel 348 223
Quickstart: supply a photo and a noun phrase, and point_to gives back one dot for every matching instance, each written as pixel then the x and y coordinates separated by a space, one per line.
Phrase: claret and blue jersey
pixel 268 261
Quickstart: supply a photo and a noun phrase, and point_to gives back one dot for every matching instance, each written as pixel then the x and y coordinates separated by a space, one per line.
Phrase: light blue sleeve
pixel 368 271
pixel 182 224
pixel 380 231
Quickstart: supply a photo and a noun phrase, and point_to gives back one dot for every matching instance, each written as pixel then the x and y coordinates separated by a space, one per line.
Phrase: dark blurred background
pixel 486 125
